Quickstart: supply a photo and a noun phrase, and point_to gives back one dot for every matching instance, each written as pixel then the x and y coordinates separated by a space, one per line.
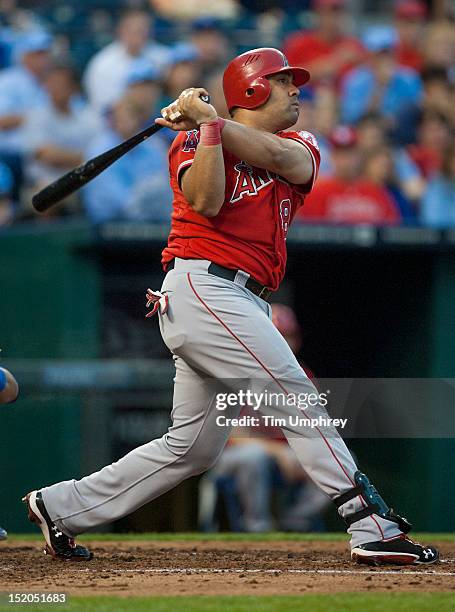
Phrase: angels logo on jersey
pixel 310 138
pixel 191 141
pixel 249 181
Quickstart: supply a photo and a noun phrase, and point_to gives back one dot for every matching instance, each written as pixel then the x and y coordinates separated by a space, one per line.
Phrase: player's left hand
pixel 188 111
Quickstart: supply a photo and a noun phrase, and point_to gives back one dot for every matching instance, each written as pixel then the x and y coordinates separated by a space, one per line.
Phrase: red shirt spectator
pixel 337 201
pixel 328 52
pixel 344 197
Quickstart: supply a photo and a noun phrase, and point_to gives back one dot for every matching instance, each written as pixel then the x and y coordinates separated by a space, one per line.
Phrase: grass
pixel 274 536
pixel 343 602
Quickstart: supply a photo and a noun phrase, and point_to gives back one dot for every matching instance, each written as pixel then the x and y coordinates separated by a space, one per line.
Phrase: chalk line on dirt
pixel 205 570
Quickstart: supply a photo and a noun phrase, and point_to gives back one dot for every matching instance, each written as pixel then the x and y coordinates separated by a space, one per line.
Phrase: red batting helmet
pixel 244 80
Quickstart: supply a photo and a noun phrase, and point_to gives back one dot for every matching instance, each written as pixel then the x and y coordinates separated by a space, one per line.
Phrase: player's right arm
pixel 202 184
pixel 9 389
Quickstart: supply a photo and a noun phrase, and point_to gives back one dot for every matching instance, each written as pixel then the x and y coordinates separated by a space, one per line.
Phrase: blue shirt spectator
pixel 108 70
pixel 57 135
pixel 21 89
pixel 381 84
pixel 136 187
pixel 438 204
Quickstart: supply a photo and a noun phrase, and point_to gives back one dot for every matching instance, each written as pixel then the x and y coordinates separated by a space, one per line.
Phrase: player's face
pixel 283 104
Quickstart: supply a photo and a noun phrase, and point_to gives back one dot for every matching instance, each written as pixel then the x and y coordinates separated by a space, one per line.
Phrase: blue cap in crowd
pixel 142 71
pixel 379 38
pixel 31 42
pixel 183 52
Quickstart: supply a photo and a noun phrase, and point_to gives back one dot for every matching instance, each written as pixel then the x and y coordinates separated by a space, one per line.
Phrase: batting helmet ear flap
pixel 257 93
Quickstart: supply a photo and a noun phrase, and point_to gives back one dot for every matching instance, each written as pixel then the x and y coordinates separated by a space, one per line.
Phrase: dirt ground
pixel 213 568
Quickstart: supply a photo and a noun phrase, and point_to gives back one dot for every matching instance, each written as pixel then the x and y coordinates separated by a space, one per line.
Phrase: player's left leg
pixel 249 344
pixel 378 534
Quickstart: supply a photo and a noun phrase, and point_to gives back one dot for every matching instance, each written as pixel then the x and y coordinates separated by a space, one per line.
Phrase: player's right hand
pixel 188 111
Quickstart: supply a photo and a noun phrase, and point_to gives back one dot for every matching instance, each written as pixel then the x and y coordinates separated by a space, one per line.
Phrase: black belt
pixel 252 285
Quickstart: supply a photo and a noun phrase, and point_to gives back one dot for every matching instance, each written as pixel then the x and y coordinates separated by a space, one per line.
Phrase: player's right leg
pixel 191 445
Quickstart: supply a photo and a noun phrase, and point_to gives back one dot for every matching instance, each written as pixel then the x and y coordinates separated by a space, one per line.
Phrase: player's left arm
pixel 288 158
pixel 9 389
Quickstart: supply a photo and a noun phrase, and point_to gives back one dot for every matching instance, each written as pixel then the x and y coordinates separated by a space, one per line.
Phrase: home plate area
pixel 150 567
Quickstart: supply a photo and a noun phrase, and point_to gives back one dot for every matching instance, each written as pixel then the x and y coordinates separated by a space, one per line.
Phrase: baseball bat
pixel 83 174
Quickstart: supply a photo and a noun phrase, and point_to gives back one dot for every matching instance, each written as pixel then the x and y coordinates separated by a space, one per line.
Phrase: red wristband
pixel 210 133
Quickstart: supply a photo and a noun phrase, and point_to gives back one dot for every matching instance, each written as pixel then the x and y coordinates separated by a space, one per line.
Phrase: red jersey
pixel 361 201
pixel 249 232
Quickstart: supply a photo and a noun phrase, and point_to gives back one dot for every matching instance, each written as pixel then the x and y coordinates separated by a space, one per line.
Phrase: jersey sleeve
pixel 307 140
pixel 182 152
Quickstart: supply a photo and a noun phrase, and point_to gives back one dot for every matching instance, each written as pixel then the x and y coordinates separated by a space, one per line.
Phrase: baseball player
pixel 9 390
pixel 237 185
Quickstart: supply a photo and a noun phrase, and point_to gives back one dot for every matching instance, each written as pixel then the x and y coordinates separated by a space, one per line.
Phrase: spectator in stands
pixel 57 135
pixel 21 90
pixel 410 17
pixel 379 169
pixel 371 134
pixel 143 85
pixel 185 70
pixel 438 204
pixel 344 197
pixel 380 84
pixel 15 22
pixel 437 93
pixel 433 137
pixel 257 463
pixel 7 208
pixel 319 115
pixel 327 51
pixel 136 187
pixel 439 47
pixel 107 71
pixel 211 42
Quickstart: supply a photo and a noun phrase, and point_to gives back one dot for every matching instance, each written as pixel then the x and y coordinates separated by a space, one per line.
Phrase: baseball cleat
pixel 3 534
pixel 399 551
pixel 58 545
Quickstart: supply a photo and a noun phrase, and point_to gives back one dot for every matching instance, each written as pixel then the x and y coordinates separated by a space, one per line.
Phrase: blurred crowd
pixel 79 78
